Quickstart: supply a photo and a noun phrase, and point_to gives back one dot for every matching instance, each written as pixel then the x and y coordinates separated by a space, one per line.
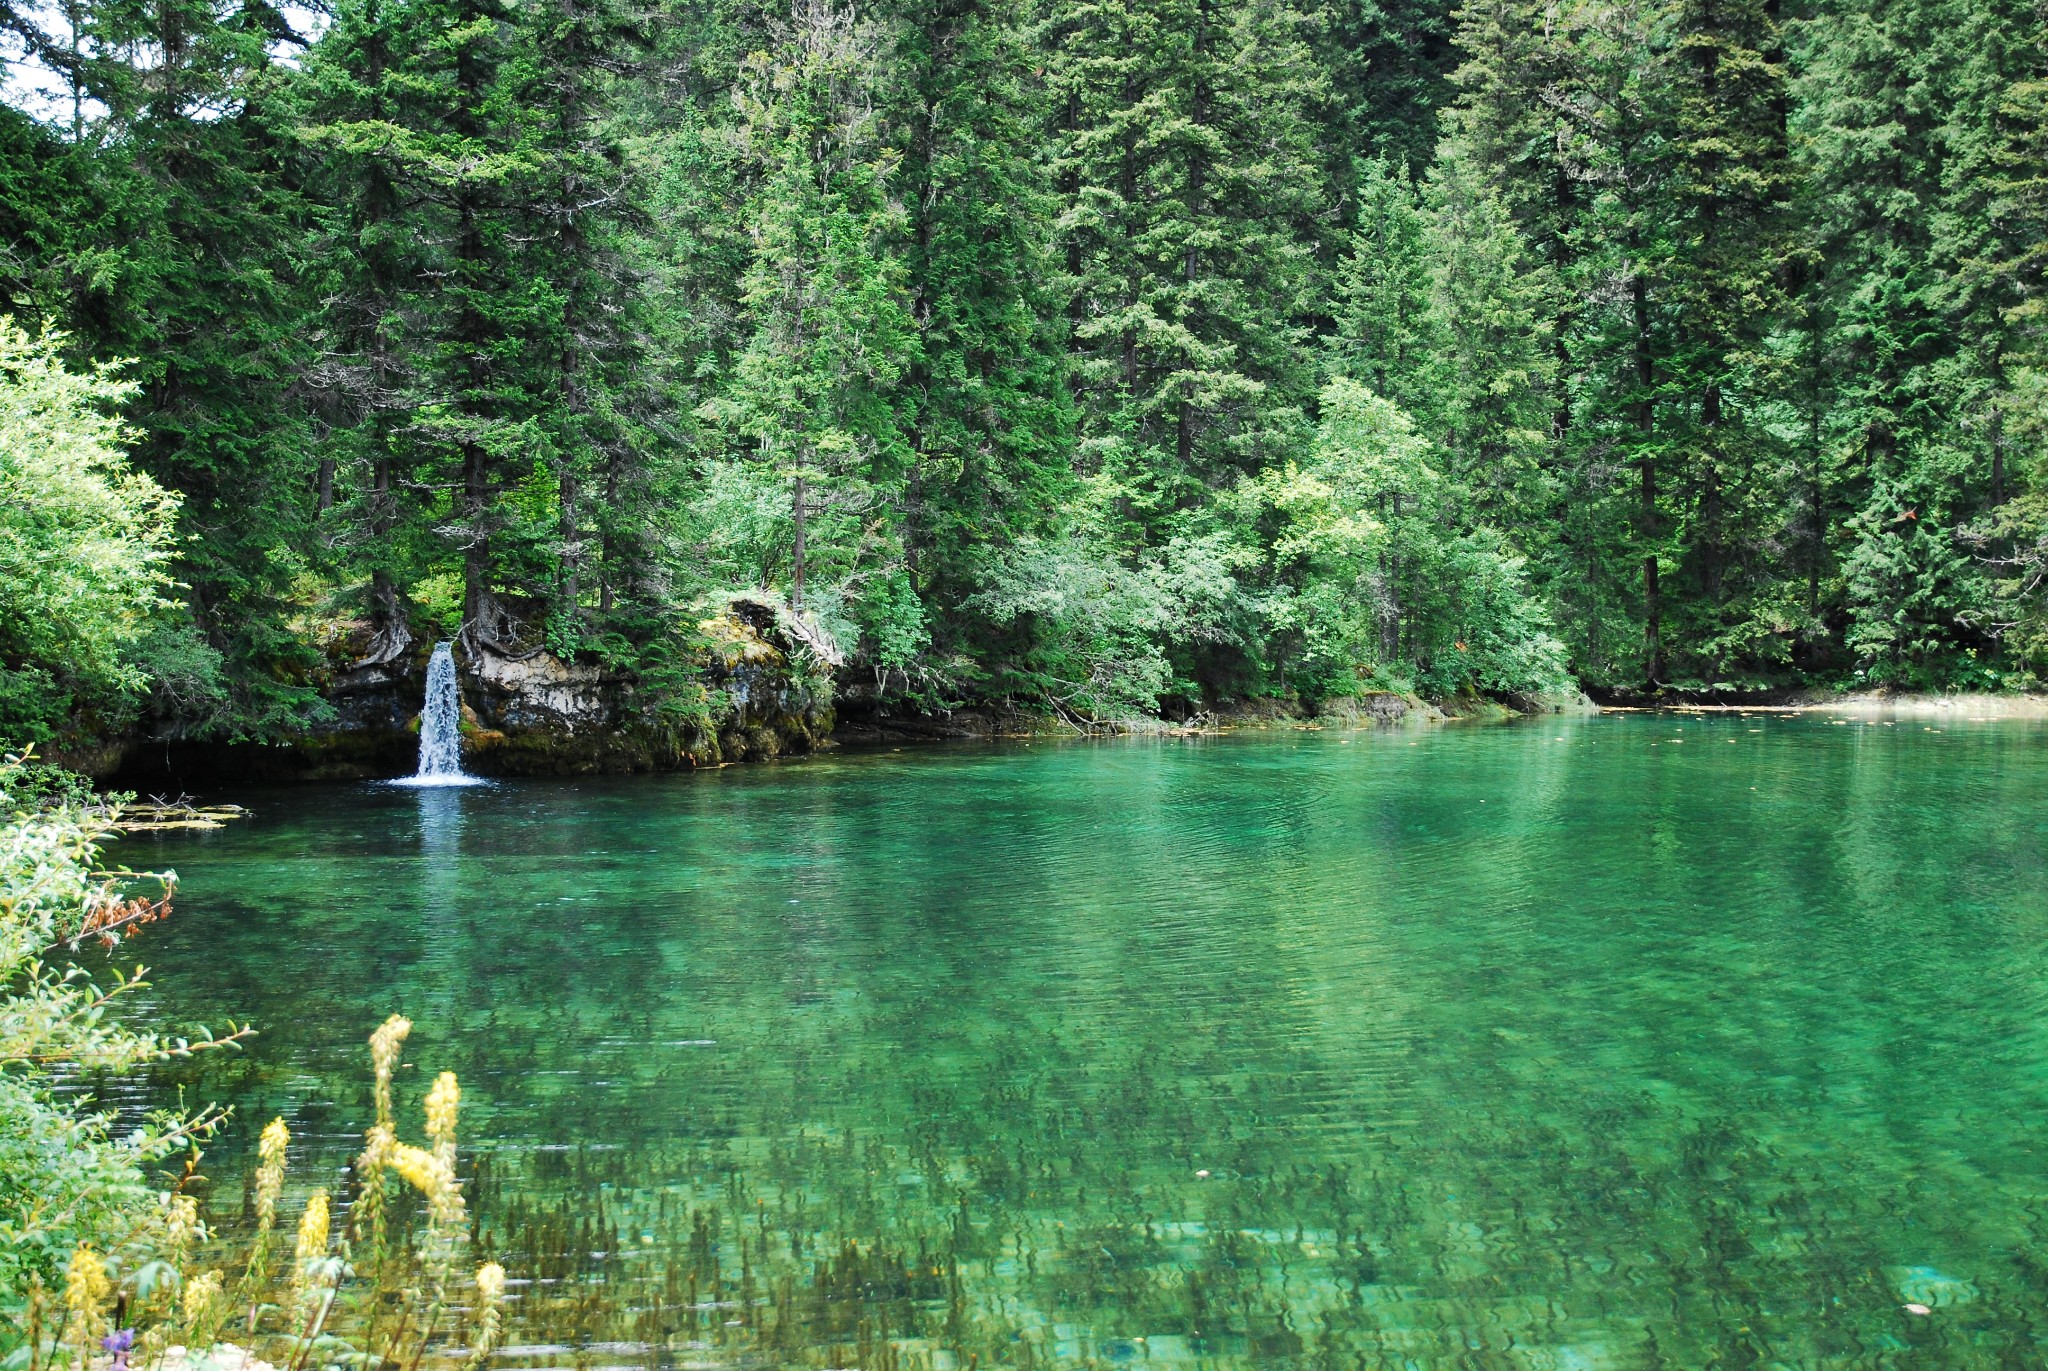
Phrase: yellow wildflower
pixel 181 1226
pixel 442 1103
pixel 270 1151
pixel 419 1167
pixel 433 1177
pixel 86 1286
pixel 490 1283
pixel 490 1289
pixel 384 1045
pixel 312 1231
pixel 377 1144
pixel 271 1146
pixel 201 1292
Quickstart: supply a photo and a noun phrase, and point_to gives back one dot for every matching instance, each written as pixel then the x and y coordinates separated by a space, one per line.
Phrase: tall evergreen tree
pixel 194 266
pixel 432 319
pixel 815 387
pixel 1383 329
pixel 1728 190
pixel 1388 66
pixel 365 119
pixel 1187 163
pixel 590 332
pixel 988 408
pixel 1887 97
pixel 1493 373
pixel 1560 113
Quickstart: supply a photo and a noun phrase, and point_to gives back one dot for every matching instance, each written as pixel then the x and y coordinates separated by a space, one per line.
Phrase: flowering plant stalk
pixel 72 1185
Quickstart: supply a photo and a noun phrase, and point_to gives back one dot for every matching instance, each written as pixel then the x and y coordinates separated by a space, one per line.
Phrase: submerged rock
pixel 1931 1289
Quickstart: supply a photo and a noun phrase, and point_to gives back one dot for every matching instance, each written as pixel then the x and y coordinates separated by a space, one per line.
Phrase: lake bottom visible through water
pixel 1656 1040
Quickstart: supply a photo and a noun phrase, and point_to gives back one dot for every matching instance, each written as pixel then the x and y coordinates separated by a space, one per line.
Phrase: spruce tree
pixel 1727 189
pixel 363 117
pixel 1388 65
pixel 193 265
pixel 579 194
pixel 477 317
pixel 1883 101
pixel 1187 167
pixel 434 319
pixel 1383 330
pixel 814 389
pixel 986 403
pixel 1492 372
pixel 1559 113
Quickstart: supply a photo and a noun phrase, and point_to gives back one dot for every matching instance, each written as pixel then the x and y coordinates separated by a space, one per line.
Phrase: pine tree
pixel 1993 228
pixel 986 401
pixel 431 323
pixel 1882 102
pixel 1492 371
pixel 478 316
pixel 815 387
pixel 1388 65
pixel 1728 189
pixel 364 118
pixel 1383 331
pixel 589 345
pixel 1187 167
pixel 192 265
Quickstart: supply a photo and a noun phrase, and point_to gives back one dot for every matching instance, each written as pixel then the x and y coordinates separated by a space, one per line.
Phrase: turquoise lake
pixel 1626 1041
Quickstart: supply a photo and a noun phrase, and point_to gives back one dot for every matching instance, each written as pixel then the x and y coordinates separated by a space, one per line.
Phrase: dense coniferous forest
pixel 1112 355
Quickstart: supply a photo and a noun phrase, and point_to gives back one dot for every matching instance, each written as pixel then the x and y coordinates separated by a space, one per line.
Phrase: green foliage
pixel 84 1233
pixel 1384 582
pixel 1094 626
pixel 1187 167
pixel 65 1180
pixel 988 335
pixel 1385 331
pixel 86 541
pixel 988 409
pixel 1493 371
pixel 813 387
pixel 28 786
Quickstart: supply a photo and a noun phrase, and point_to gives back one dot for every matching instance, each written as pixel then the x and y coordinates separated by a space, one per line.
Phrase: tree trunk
pixel 476 552
pixel 1646 459
pixel 572 590
pixel 1712 536
pixel 796 575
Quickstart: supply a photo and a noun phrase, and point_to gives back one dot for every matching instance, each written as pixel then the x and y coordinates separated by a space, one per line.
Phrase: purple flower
pixel 120 1342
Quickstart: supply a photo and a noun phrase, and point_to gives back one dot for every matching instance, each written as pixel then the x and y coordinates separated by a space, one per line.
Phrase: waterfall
pixel 440 726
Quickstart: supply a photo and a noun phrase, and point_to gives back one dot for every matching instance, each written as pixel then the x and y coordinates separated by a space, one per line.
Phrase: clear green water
pixel 1632 1041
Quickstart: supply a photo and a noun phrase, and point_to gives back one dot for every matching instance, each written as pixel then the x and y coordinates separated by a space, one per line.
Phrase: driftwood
pixel 161 814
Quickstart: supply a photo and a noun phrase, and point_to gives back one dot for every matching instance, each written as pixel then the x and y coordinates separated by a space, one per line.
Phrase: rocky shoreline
pixel 524 714
pixel 538 716
pixel 534 714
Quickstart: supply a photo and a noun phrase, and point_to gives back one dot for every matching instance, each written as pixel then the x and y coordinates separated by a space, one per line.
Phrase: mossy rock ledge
pixel 524 714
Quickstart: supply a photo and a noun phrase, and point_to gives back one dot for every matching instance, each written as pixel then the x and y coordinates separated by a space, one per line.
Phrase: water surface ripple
pixel 1643 1041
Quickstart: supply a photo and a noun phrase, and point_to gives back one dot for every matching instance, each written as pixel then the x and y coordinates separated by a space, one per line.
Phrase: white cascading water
pixel 441 726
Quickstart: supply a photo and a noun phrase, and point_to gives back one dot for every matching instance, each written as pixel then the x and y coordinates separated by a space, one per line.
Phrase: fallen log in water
pixel 162 814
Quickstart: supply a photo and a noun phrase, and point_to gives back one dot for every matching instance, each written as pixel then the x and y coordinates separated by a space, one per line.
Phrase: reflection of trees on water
pixel 1604 1065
